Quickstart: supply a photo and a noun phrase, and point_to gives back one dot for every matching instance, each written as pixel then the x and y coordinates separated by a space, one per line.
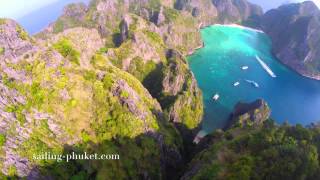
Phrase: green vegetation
pixel 99 61
pixel 151 6
pixel 2 21
pixel 12 171
pixel 18 111
pixel 112 110
pixel 58 26
pixel 2 50
pixel 171 14
pixel 140 69
pixel 267 152
pixel 122 53
pixel 191 114
pixel 64 47
pixel 103 50
pixel 40 142
pixel 184 32
pixel 187 103
pixel 104 123
pixel 22 33
pixel 154 37
pixel 2 139
pixel 103 109
pixel 90 75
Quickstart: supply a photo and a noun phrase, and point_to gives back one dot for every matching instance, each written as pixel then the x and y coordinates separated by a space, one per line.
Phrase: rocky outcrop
pixel 118 70
pixel 83 40
pixel 14 41
pixel 256 152
pixel 160 17
pixel 174 77
pixel 76 11
pixel 164 73
pixel 204 11
pixel 175 28
pixel 180 86
pixel 129 98
pixel 17 123
pixel 246 118
pixel 294 31
pixel 124 29
pixel 250 114
pixel 44 94
pixel 236 11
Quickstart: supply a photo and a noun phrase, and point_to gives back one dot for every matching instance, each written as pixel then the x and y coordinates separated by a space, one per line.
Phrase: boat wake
pixel 265 67
pixel 255 84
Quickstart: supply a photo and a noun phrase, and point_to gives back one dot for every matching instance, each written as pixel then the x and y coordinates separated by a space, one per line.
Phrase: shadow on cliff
pixel 253 21
pixel 142 157
pixel 153 81
pixel 116 39
pixel 188 136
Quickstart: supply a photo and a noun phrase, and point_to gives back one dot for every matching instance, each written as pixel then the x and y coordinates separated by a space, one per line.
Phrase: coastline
pixel 194 49
pixel 241 27
pixel 301 73
pixel 228 25
pixel 202 133
pixel 316 77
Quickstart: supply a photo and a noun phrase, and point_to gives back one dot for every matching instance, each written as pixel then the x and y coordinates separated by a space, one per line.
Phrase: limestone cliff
pixel 175 28
pixel 204 11
pixel 219 150
pixel 294 30
pixel 236 11
pixel 110 77
pixel 261 149
pixel 250 114
pixel 62 95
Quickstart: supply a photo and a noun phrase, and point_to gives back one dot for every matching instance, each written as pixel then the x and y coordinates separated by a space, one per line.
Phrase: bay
pixel 218 65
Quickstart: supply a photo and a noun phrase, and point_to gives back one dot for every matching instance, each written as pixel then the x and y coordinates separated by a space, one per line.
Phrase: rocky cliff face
pixel 175 28
pixel 248 114
pixel 115 69
pixel 49 86
pixel 177 22
pixel 294 30
pixel 236 11
pixel 219 150
pixel 14 40
pixel 261 149
pixel 204 11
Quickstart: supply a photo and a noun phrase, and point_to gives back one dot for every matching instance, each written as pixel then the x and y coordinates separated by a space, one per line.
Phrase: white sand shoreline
pixel 239 26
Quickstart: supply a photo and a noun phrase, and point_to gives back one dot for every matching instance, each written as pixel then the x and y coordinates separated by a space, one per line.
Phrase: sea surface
pixel 218 66
pixel 41 18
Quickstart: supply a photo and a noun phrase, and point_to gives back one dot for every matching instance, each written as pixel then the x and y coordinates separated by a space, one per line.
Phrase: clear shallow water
pixel 217 67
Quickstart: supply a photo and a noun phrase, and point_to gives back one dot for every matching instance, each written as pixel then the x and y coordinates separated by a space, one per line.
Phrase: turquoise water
pixel 217 67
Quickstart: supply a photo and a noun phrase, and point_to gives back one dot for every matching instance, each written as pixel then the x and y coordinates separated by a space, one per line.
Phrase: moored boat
pixel 244 67
pixel 216 97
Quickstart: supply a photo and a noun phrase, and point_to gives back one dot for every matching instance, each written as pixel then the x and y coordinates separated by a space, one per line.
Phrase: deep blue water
pixel 217 67
pixel 41 18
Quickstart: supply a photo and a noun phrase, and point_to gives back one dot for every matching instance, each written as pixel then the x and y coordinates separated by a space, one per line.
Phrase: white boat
pixel 215 97
pixel 265 67
pixel 236 84
pixel 199 136
pixel 244 67
pixel 255 84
